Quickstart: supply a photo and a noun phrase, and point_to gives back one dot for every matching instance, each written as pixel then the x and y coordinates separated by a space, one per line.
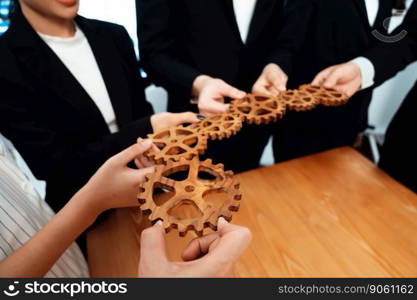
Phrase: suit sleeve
pixel 294 24
pixel 157 42
pixel 51 156
pixel 390 58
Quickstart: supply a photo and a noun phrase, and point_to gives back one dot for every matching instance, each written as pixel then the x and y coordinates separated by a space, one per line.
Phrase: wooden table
pixel 329 215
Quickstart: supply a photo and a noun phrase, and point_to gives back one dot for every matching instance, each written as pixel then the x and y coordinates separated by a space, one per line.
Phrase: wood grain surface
pixel 334 214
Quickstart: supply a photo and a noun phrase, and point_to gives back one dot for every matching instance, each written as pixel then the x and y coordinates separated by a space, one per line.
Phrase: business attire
pixel 226 39
pixel 70 104
pixel 23 213
pixel 398 154
pixel 329 32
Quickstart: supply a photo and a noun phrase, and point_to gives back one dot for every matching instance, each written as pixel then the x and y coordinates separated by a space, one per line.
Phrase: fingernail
pixel 201 117
pixel 222 221
pixel 159 223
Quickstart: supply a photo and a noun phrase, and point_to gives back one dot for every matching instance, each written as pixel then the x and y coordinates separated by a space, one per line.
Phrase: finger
pixel 185 117
pixel 199 247
pixel 140 174
pixel 129 154
pixel 139 164
pixel 152 245
pixel 278 81
pixel 321 77
pixel 260 88
pixel 334 78
pixel 213 107
pixel 230 91
pixel 233 241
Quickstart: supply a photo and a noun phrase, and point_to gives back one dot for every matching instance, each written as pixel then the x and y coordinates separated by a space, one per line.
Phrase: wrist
pixel 84 202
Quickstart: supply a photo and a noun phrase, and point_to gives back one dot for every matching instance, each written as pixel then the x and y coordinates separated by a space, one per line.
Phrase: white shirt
pixel 244 10
pixel 23 213
pixel 76 54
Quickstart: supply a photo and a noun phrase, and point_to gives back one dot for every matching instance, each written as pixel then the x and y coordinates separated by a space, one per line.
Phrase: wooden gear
pixel 221 126
pixel 175 143
pixel 326 97
pixel 258 109
pixel 192 191
pixel 299 100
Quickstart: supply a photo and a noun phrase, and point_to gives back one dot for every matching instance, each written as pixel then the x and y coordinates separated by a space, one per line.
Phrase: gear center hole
pixel 189 189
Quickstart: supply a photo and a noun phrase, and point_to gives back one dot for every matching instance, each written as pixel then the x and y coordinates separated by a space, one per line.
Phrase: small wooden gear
pixel 258 109
pixel 326 97
pixel 175 143
pixel 221 126
pixel 190 191
pixel 299 100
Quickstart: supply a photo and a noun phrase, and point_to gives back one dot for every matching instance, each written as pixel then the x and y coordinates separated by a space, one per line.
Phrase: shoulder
pixel 113 30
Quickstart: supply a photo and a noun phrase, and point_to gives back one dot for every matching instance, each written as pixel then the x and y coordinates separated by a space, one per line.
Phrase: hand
pixel 346 77
pixel 166 120
pixel 209 256
pixel 271 82
pixel 116 185
pixel 211 93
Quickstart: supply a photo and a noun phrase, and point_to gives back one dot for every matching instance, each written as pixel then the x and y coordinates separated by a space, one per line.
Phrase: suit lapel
pixel 231 18
pixel 110 65
pixel 263 10
pixel 43 64
pixel 361 7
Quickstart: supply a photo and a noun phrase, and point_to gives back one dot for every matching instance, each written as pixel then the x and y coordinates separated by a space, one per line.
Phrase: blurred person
pixel 398 154
pixel 209 51
pixel 327 32
pixel 71 94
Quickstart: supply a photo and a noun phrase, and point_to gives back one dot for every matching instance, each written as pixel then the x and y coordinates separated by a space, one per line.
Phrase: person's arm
pixel 158 44
pixel 386 59
pixel 294 26
pixel 114 185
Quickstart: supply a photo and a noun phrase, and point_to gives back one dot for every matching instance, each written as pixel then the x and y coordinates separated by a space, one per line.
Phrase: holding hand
pixel 115 185
pixel 211 93
pixel 346 77
pixel 166 120
pixel 272 81
pixel 209 256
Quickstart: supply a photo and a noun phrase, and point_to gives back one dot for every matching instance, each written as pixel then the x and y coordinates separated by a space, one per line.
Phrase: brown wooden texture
pixel 193 194
pixel 329 215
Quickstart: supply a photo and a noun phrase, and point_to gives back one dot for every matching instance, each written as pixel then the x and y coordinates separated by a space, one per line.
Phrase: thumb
pixel 231 92
pixel 152 246
pixel 185 117
pixel 132 152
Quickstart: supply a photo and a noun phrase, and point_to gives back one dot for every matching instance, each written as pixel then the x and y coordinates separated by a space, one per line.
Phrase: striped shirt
pixel 23 213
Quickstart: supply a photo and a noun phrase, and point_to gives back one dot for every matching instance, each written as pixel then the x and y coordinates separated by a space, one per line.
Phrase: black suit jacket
pixel 182 39
pixel 327 33
pixel 398 155
pixel 50 118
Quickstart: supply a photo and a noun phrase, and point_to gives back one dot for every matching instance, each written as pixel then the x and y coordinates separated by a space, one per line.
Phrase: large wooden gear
pixel 175 143
pixel 190 191
pixel 325 96
pixel 220 126
pixel 258 109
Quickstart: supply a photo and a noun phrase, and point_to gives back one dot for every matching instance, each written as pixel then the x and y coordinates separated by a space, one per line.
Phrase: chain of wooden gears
pixel 183 179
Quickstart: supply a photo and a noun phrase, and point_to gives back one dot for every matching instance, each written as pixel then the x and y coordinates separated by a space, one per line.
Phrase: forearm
pixel 36 257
